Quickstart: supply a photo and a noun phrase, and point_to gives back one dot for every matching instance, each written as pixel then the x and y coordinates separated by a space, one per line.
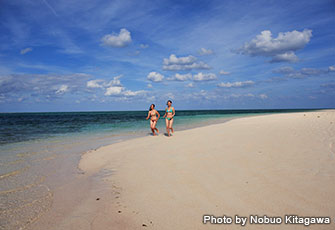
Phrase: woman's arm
pixel 148 116
pixel 158 115
pixel 165 113
pixel 173 112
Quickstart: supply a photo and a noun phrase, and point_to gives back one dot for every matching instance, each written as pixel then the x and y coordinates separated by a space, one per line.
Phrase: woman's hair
pixel 150 106
pixel 169 101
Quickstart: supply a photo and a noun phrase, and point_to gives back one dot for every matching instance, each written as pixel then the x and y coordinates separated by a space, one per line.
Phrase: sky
pixel 102 55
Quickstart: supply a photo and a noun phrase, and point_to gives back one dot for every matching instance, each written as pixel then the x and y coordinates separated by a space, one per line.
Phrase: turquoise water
pixel 18 127
pixel 39 152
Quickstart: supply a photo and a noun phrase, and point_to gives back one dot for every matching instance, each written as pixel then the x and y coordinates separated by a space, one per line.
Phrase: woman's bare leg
pixel 171 123
pixel 167 127
pixel 152 128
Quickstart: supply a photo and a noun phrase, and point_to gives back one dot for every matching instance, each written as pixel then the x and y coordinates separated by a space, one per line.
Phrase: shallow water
pixel 39 152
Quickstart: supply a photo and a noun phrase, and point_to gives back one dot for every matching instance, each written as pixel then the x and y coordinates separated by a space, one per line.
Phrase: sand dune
pixel 274 165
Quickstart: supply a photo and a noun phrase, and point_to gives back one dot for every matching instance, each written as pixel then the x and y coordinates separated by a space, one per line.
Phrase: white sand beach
pixel 274 165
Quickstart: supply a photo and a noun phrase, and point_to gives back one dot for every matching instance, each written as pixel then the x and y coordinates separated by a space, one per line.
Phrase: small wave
pixel 13 173
pixel 41 180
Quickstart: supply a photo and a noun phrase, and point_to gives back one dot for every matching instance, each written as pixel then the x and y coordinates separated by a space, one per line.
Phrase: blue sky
pixel 124 55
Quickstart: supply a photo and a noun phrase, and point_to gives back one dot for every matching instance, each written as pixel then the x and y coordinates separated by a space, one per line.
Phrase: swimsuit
pixel 169 111
pixel 153 116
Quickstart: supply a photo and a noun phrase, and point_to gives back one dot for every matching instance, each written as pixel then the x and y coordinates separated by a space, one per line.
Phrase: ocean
pixel 39 152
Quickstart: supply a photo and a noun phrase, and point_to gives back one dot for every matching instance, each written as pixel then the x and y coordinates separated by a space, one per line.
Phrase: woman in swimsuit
pixel 153 121
pixel 169 114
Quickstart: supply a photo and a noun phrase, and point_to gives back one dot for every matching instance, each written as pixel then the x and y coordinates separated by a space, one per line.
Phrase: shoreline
pixel 106 185
pixel 56 160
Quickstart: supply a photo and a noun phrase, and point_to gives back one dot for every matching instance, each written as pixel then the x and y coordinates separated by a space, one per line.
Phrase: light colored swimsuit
pixel 153 116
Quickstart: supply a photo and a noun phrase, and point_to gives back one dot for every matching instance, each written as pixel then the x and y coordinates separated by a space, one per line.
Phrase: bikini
pixel 153 116
pixel 169 111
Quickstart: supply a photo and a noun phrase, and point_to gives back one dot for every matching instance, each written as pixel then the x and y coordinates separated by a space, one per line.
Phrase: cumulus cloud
pixel 180 77
pixel 155 77
pixel 174 63
pixel 331 68
pixel 101 83
pixel 95 83
pixel 40 87
pixel 236 84
pixel 129 93
pixel 222 72
pixel 279 49
pixel 113 87
pixel 285 57
pixel 196 77
pixel 149 85
pixel 117 40
pixel 26 50
pixel 204 51
pixel 114 90
pixel 204 77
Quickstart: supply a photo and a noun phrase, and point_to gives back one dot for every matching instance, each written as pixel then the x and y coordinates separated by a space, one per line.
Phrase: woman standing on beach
pixel 153 121
pixel 169 114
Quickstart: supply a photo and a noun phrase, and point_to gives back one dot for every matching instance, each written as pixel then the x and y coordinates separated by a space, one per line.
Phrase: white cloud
pixel 204 51
pixel 280 48
pixel 331 68
pixel 236 84
pixel 173 59
pixel 155 77
pixel 113 90
pixel 100 83
pixel 222 72
pixel 94 83
pixel 285 57
pixel 26 50
pixel 180 77
pixel 115 81
pixel 129 93
pixel 174 63
pixel 117 40
pixel 62 89
pixel 204 77
pixel 149 85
